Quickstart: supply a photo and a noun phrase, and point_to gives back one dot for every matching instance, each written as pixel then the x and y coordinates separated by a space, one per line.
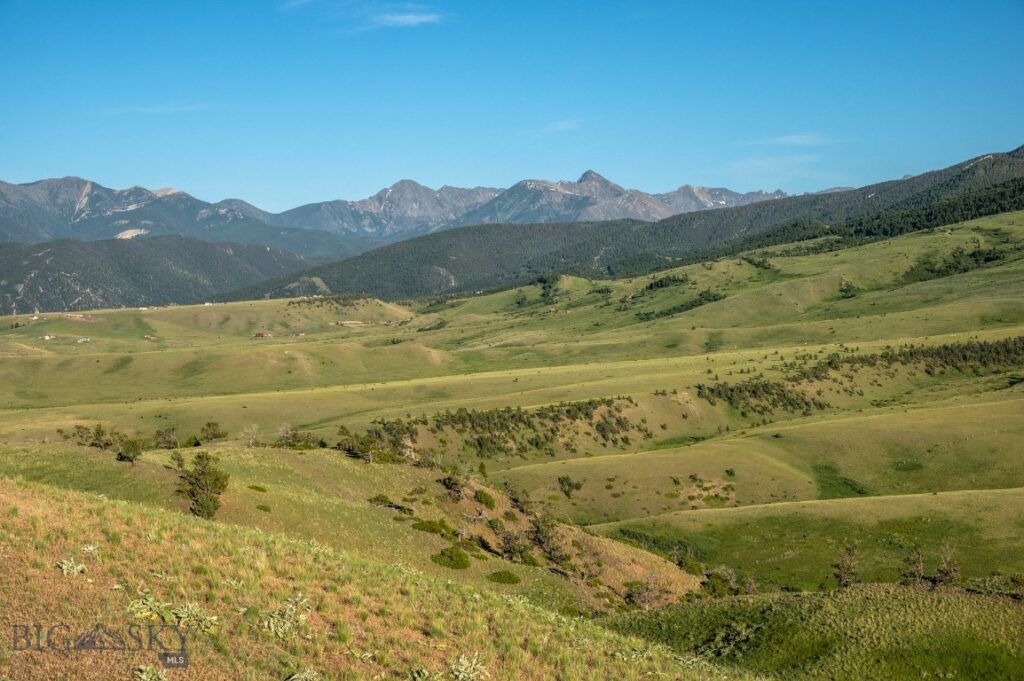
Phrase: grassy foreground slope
pixel 322 495
pixel 350 619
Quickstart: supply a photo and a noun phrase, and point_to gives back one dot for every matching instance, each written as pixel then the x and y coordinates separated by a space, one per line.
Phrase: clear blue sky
pixel 286 102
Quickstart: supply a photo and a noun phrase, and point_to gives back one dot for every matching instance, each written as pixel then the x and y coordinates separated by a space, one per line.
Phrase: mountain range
pixel 111 248
pixel 593 198
pixel 485 257
pixel 404 209
pixel 407 208
pixel 74 208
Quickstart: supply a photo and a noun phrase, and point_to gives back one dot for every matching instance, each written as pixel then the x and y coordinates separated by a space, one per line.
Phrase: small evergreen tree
pixel 203 483
pixel 514 547
pixel 568 485
pixel 129 449
pixel 544 533
pixel 212 431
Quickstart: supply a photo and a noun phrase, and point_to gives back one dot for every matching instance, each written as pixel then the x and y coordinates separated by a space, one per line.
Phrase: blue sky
pixel 290 101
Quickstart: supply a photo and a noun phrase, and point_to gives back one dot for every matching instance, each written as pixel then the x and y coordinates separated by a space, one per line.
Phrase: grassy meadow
pixel 723 417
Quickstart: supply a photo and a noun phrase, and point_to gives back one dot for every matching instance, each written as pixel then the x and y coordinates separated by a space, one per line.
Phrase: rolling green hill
pixel 796 461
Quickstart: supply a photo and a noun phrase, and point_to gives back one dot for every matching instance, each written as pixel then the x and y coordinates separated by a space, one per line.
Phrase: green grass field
pixel 873 633
pixel 793 545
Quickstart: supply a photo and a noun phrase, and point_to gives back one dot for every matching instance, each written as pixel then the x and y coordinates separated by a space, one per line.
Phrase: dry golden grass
pixel 367 620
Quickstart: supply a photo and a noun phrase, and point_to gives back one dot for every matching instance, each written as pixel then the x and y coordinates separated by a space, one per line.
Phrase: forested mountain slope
pixel 77 275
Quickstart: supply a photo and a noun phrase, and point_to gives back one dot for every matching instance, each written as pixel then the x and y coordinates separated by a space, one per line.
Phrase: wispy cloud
pixel 356 16
pixel 786 171
pixel 799 139
pixel 552 128
pixel 561 126
pixel 405 19
pixel 773 165
pixel 162 109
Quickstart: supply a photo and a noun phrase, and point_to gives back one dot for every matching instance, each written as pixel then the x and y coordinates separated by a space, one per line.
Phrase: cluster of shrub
pixel 969 356
pixel 168 437
pixel 959 260
pixel 541 535
pixel 101 437
pixel 703 298
pixel 130 448
pixel 515 546
pixel 690 553
pixel 490 433
pixel 667 282
pixel 202 483
pixel 760 396
pixel 548 284
pixel 568 485
pixel 825 244
pixel 759 261
pixel 385 441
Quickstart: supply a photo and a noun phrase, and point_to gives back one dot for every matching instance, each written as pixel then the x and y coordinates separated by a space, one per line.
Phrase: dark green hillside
pixel 465 259
pixel 1001 198
pixel 76 275
pixel 708 227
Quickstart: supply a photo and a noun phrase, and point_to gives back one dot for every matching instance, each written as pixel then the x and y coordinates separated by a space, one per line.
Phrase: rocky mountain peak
pixel 591 176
